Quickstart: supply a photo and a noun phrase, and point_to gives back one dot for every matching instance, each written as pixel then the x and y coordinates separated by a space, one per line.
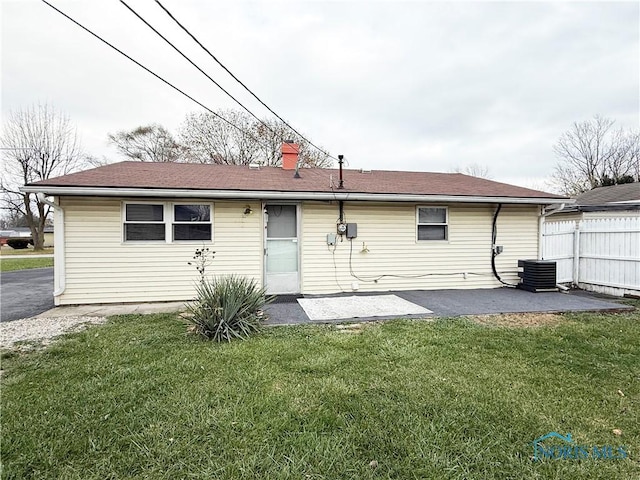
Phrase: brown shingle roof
pixel 274 179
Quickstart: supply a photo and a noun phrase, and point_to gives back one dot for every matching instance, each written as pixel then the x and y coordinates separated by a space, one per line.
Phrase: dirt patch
pixel 351 327
pixel 520 320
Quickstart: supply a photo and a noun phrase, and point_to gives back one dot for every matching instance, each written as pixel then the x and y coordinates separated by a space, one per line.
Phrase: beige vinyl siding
pixel 101 268
pixel 389 232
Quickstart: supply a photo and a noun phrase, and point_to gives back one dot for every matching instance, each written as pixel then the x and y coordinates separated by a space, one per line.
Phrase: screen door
pixel 281 249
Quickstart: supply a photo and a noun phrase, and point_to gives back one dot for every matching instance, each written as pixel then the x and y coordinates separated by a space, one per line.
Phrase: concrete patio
pixel 443 303
pixel 453 303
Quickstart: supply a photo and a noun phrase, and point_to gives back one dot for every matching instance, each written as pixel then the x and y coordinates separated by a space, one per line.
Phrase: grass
pixel 137 398
pixel 8 251
pixel 11 264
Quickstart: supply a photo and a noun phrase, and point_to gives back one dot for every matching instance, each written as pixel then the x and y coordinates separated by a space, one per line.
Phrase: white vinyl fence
pixel 602 255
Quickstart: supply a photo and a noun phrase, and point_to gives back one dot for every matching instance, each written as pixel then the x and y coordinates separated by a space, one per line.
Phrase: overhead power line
pixel 240 82
pixel 153 73
pixel 196 66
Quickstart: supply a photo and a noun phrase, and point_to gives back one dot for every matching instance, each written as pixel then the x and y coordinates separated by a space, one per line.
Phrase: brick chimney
pixel 290 152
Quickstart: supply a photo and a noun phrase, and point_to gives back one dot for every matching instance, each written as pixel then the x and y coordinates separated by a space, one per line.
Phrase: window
pixel 144 221
pixel 170 222
pixel 432 223
pixel 192 222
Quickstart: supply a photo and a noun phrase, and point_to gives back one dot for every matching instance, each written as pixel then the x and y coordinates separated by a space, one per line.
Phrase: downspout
pixel 59 270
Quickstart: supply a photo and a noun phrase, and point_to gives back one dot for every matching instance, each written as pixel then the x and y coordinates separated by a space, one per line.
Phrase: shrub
pixel 18 243
pixel 227 307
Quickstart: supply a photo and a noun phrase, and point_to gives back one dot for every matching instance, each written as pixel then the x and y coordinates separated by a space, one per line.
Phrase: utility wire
pixel 153 73
pixel 238 80
pixel 196 66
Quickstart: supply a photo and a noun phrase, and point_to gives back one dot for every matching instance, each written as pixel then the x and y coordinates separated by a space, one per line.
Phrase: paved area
pixel 506 300
pixel 443 303
pixel 453 303
pixel 114 309
pixel 25 293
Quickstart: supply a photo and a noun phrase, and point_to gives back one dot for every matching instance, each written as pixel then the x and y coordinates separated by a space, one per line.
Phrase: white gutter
pixel 59 270
pixel 544 214
pixel 271 195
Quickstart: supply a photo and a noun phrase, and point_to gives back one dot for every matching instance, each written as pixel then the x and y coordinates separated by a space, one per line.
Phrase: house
pixel 25 232
pixel 125 232
pixel 596 241
pixel 602 202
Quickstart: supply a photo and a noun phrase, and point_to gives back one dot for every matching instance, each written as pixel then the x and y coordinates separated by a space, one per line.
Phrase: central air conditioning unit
pixel 537 275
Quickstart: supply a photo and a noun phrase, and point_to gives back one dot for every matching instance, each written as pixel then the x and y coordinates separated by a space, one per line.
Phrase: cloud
pixel 402 85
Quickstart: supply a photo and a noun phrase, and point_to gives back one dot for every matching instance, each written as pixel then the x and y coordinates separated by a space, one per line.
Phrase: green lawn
pixel 8 251
pixel 11 264
pixel 137 398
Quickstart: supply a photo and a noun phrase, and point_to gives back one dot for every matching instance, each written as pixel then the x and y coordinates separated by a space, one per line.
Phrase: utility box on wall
pixel 352 230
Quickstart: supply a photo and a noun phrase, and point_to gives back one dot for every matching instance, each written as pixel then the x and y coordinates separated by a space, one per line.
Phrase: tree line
pixel 231 137
pixel 40 142
pixel 594 153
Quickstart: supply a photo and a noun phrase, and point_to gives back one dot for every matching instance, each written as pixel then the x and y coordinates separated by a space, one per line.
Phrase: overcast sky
pixel 425 86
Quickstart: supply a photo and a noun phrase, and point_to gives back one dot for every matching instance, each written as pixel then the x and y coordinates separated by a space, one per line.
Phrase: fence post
pixel 576 254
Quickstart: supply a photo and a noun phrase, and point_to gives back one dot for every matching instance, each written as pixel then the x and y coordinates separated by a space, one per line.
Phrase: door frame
pixel 298 206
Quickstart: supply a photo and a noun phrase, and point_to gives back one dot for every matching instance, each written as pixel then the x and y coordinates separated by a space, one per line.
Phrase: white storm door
pixel 282 272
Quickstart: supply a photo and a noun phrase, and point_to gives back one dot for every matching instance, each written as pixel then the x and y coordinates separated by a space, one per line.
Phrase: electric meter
pixel 342 228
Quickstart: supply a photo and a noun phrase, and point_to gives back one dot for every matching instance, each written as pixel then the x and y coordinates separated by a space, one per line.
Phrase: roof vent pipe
pixel 340 162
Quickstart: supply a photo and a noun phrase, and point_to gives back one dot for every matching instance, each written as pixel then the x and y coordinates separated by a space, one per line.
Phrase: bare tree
pixel 271 140
pixel 150 143
pixel 475 170
pixel 91 161
pixel 631 150
pixel 209 139
pixel 37 143
pixel 10 219
pixel 592 154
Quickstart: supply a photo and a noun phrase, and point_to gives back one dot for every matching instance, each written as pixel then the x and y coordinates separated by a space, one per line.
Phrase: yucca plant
pixel 227 307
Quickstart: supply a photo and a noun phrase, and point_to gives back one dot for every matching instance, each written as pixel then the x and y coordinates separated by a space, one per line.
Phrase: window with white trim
pixel 432 223
pixel 167 222
pixel 144 222
pixel 191 222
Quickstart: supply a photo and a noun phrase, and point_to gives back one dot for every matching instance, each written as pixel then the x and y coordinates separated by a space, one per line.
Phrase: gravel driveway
pixel 25 293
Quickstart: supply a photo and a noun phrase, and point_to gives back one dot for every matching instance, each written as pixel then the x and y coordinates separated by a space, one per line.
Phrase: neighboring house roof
pixel 627 192
pixel 146 179
pixel 614 198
